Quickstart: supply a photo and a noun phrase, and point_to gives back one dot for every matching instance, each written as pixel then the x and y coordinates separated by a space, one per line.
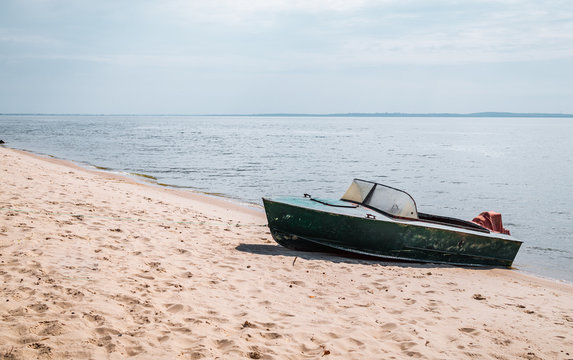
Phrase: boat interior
pixel 399 204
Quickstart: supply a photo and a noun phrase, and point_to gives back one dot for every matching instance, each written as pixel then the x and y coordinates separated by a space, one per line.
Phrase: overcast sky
pixel 261 56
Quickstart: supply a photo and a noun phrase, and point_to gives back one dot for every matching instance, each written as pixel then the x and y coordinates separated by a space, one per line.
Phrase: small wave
pixel 174 186
pixel 538 248
pixel 144 176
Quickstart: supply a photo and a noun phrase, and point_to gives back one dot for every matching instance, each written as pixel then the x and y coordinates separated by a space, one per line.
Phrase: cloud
pixel 239 11
pixel 472 45
pixel 395 31
pixel 297 35
pixel 19 38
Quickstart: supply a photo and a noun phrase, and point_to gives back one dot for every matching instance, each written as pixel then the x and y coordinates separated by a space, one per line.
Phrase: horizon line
pixel 349 114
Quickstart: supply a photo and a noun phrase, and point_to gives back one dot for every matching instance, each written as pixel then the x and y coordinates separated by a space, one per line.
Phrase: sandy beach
pixel 98 266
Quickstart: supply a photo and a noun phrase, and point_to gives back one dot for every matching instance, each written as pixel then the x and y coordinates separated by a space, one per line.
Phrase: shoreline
pixel 189 193
pixel 102 266
pixel 221 200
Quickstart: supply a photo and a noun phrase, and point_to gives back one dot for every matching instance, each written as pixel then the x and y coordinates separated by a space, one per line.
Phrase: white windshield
pixel 381 197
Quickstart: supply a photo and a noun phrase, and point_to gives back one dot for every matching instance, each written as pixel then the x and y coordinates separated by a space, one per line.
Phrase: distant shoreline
pixel 419 115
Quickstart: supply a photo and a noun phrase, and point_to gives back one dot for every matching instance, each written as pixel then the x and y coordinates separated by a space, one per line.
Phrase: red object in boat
pixel 491 220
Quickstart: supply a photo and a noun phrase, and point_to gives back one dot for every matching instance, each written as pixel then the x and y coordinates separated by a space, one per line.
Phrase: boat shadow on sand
pixel 344 257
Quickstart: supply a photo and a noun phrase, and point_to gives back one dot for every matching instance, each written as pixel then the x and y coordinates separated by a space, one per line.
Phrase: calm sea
pixel 521 167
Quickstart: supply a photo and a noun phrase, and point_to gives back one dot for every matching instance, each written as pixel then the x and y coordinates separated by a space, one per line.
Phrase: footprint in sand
pixel 197 353
pixel 407 345
pixel 471 331
pixel 48 328
pixel 40 307
pixel 105 342
pixel 225 344
pixel 134 350
pixel 356 342
pixel 298 283
pixel 174 308
pixel 145 276
pixel 163 338
pixel 44 351
pixel 186 275
pixel 106 331
pixel 100 320
pixel 74 293
pixel 409 301
pixel 394 311
pixel 267 325
pixel 389 326
pixel 181 329
pixel 271 335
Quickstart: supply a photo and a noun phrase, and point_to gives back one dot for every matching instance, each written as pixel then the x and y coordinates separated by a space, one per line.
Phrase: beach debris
pixel 255 355
pixel 155 265
pixel 479 297
pixel 43 349
pixel 116 230
pixel 325 351
pixel 247 324
pixel 9 354
pixel 296 257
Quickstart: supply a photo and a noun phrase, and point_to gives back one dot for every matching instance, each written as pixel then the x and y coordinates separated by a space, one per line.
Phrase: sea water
pixel 520 167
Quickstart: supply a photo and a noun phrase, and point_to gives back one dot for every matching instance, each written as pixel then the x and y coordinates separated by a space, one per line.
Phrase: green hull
pixel 307 224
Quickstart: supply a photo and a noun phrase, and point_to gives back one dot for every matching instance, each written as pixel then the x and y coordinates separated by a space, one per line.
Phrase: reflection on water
pixel 522 168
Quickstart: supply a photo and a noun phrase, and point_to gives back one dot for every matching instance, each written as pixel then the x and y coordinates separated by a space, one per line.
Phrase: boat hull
pixel 303 224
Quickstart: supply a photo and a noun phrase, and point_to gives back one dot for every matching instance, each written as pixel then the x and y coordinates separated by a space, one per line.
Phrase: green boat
pixel 381 221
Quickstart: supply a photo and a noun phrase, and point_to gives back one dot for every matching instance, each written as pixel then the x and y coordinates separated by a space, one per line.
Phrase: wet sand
pixel 95 265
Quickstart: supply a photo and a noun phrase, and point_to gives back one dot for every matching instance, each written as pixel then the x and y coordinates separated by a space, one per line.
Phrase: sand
pixel 97 266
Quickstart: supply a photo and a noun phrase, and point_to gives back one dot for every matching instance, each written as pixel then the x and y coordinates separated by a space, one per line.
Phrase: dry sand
pixel 98 266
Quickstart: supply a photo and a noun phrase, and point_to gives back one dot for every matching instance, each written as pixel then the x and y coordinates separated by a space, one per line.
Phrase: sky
pixel 292 56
